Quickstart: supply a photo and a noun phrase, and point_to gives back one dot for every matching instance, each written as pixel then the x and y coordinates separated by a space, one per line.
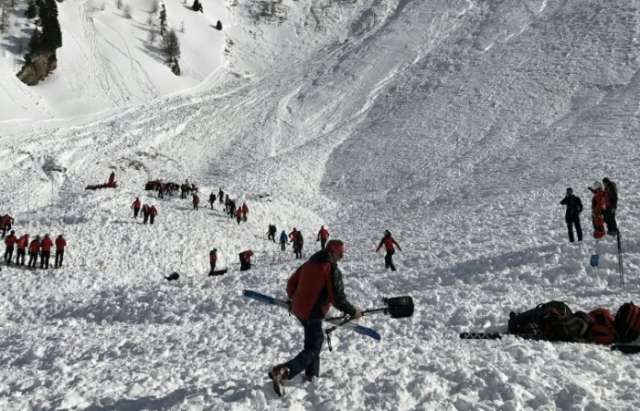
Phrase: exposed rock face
pixel 37 67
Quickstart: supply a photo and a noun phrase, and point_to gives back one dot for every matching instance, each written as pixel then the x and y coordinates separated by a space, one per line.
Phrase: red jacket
pixel 323 234
pixel 245 209
pixel 196 199
pixel 316 286
pixel 388 242
pixel 10 240
pixel 46 244
pixel 6 220
pixel 246 256
pixel 212 257
pixel 34 247
pixel 60 243
pixel 153 211
pixel 598 203
pixel 136 204
pixel 306 285
pixel 23 242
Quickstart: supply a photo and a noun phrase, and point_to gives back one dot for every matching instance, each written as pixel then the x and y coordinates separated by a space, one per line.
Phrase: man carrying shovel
pixel 312 289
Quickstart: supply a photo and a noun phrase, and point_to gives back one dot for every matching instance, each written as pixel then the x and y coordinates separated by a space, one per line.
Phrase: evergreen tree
pixel 51 34
pixel 171 46
pixel 32 11
pixel 163 20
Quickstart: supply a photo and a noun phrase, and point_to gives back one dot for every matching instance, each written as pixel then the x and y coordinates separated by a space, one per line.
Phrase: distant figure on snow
pixel 572 215
pixel 197 6
pixel 61 243
pixel 283 240
pixel 153 212
pixel 388 243
pixel 611 203
pixel 22 244
pixel 5 224
pixel 195 200
pixel 212 199
pixel 136 207
pixel 45 251
pixel 598 205
pixel 213 258
pixel 34 250
pixel 323 235
pixel 145 213
pixel 271 233
pixel 245 260
pixel 9 244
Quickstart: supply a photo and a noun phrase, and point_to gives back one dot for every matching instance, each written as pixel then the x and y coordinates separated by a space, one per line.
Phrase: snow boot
pixel 278 375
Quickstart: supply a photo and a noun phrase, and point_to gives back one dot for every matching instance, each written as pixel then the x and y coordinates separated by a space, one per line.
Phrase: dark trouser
pixel 211 203
pixel 297 249
pixel 388 260
pixel 323 242
pixel 570 224
pixel 309 358
pixel 195 206
pixel 151 218
pixel 135 212
pixel 44 259
pixel 33 258
pixel 283 245
pixel 213 267
pixel 20 256
pixel 244 265
pixel 610 221
pixel 145 217
pixel 8 254
pixel 272 237
pixel 59 258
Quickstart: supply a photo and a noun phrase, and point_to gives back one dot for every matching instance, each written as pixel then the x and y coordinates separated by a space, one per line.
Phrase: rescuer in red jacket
pixel 61 243
pixel 45 251
pixel 388 243
pixel 312 289
pixel 323 236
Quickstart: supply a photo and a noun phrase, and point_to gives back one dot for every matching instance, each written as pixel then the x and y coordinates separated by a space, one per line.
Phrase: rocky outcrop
pixel 37 67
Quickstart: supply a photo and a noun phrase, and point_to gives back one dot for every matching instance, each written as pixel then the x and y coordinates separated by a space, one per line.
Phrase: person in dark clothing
pixel 323 236
pixel 22 243
pixel 145 214
pixel 572 215
pixel 283 240
pixel 61 243
pixel 212 199
pixel 45 251
pixel 195 200
pixel 213 258
pixel 271 233
pixel 136 207
pixel 5 224
pixel 9 243
pixel 34 250
pixel 611 203
pixel 220 196
pixel 312 289
pixel 388 243
pixel 297 240
pixel 153 212
pixel 245 260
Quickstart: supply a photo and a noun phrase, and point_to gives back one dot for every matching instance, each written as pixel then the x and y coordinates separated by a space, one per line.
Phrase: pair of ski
pixel 623 348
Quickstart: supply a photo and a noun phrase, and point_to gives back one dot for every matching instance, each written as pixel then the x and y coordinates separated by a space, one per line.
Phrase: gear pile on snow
pixel 555 321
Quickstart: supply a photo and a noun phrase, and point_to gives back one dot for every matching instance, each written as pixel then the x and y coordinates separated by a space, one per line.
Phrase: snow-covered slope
pixel 455 124
pixel 111 58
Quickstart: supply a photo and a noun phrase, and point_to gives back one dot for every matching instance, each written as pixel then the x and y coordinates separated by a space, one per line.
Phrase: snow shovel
pixel 395 307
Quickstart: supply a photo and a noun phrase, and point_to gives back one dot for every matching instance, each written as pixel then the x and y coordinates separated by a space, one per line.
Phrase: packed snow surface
pixel 456 124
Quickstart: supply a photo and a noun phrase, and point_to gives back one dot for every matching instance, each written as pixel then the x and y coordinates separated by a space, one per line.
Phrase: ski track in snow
pixel 456 125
